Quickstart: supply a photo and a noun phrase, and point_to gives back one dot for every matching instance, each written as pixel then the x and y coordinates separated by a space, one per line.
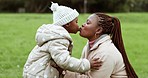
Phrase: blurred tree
pixel 108 5
pixel 41 6
pixel 138 5
pixel 10 5
pixel 38 6
pixel 145 5
pixel 75 4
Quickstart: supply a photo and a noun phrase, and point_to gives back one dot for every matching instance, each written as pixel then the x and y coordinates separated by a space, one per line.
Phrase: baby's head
pixel 66 17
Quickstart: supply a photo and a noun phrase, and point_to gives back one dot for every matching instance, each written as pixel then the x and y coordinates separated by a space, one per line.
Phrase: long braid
pixel 111 26
pixel 117 40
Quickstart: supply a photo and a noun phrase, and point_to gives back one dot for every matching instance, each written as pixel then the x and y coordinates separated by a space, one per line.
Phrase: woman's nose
pixel 83 25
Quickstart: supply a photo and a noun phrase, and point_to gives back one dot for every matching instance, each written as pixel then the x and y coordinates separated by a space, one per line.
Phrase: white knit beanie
pixel 62 14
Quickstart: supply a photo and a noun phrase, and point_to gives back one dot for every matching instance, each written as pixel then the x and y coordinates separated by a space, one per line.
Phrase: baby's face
pixel 73 26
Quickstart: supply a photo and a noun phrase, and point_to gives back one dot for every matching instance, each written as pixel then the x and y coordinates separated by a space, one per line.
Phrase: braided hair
pixel 111 26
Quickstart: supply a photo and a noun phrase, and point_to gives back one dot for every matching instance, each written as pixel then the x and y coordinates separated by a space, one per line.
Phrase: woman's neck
pixel 93 38
pixel 91 43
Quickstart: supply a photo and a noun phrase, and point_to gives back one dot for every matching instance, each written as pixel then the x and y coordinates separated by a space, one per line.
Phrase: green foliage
pixel 41 6
pixel 11 5
pixel 17 32
pixel 138 5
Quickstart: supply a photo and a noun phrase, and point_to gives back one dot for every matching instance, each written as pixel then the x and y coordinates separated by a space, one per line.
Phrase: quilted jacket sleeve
pixel 60 54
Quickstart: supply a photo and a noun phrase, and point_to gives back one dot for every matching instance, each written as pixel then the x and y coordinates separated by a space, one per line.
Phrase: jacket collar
pixel 99 41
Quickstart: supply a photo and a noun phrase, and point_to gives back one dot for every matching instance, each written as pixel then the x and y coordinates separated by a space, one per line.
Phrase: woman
pixel 105 42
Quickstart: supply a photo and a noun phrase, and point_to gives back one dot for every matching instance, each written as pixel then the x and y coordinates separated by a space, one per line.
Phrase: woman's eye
pixel 87 23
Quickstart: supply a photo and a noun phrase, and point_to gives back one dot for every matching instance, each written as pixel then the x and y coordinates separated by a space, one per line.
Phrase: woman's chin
pixel 80 34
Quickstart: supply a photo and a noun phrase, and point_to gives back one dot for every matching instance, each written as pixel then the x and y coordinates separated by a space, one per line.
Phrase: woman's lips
pixel 80 29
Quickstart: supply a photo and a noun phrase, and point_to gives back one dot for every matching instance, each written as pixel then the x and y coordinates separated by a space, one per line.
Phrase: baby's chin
pixel 75 32
pixel 78 30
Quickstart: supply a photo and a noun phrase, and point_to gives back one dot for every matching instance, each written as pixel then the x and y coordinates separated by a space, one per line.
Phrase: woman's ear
pixel 99 31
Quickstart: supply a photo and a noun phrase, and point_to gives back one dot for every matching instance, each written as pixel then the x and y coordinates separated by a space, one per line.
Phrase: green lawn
pixel 17 32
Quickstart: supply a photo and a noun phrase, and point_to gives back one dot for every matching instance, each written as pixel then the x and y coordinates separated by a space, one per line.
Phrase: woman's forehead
pixel 92 17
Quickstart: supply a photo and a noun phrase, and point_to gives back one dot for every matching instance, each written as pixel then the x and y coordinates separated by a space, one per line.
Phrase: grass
pixel 17 32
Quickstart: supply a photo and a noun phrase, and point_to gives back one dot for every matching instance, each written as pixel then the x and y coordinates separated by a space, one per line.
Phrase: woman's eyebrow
pixel 88 20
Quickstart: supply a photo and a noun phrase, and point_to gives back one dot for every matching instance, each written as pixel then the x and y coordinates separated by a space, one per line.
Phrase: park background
pixel 19 20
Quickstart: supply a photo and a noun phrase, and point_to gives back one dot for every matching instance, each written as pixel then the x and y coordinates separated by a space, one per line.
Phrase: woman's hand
pixel 95 64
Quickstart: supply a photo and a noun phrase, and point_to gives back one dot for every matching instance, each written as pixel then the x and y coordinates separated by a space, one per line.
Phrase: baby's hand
pixel 95 64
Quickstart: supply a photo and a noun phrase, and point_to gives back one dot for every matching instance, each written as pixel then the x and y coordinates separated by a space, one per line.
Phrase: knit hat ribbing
pixel 62 14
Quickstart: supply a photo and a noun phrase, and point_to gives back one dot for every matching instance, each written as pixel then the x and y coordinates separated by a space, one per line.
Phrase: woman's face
pixel 89 28
pixel 72 27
